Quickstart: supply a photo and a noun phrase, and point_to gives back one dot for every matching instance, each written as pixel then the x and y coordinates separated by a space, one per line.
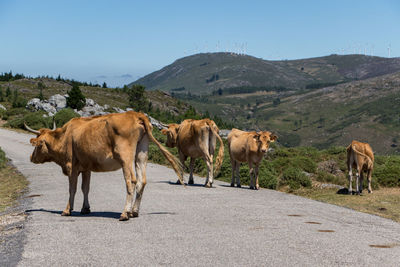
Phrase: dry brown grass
pixel 384 202
pixel 12 185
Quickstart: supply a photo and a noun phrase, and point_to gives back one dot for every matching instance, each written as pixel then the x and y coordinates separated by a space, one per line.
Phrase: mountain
pixel 206 72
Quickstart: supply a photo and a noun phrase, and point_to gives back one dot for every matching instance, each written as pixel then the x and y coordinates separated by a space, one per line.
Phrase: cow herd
pixel 121 140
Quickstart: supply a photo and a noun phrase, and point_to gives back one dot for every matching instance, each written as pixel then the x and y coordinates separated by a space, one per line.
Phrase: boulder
pixel 2 107
pixel 90 102
pixel 58 101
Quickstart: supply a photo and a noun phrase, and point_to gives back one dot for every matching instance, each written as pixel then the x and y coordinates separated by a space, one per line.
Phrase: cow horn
pixel 30 129
pixel 54 125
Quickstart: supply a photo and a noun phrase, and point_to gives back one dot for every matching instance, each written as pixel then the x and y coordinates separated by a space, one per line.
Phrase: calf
pixel 360 157
pixel 248 147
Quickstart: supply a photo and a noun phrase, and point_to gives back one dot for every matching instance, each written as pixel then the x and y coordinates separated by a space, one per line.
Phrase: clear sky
pixel 120 41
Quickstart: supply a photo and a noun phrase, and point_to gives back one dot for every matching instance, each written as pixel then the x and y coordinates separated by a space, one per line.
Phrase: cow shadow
pixel 101 214
pixel 179 184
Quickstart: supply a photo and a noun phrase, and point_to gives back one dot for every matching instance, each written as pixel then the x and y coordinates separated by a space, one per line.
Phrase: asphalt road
pixel 191 226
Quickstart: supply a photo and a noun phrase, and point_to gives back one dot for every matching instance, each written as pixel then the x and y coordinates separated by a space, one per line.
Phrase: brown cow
pixel 101 144
pixel 248 147
pixel 360 157
pixel 195 139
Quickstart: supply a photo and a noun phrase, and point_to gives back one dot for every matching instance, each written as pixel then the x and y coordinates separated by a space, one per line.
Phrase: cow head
pixel 264 139
pixel 172 134
pixel 41 143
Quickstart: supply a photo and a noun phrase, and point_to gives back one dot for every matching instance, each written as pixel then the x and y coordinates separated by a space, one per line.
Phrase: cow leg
pixel 238 174
pixel 369 174
pixel 357 181
pixel 85 190
pixel 209 180
pixel 256 177
pixel 73 181
pixel 233 164
pixel 350 181
pixel 251 175
pixel 140 166
pixel 191 167
pixel 361 182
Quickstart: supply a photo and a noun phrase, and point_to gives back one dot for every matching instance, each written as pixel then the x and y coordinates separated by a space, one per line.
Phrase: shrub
pixel 3 159
pixel 388 174
pixel 64 115
pixel 35 120
pixel 295 178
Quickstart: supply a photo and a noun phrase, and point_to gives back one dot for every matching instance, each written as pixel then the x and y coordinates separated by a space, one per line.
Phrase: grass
pixel 12 184
pixel 383 202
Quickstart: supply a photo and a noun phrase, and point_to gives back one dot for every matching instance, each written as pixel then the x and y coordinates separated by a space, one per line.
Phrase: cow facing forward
pixel 361 158
pixel 196 139
pixel 248 147
pixel 101 144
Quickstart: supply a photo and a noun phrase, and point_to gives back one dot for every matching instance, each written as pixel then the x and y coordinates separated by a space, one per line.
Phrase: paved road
pixel 191 226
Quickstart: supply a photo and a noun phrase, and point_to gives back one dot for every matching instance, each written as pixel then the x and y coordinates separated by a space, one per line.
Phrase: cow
pixel 196 139
pixel 101 144
pixel 248 147
pixel 360 157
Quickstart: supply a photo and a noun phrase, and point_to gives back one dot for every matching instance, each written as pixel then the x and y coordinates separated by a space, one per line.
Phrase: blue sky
pixel 120 41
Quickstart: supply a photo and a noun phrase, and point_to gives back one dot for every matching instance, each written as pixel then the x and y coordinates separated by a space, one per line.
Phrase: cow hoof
pixel 370 192
pixel 350 192
pixel 257 187
pixel 191 182
pixel 251 187
pixel 208 185
pixel 232 185
pixel 239 186
pixel 178 182
pixel 66 213
pixel 85 210
pixel 124 217
pixel 134 214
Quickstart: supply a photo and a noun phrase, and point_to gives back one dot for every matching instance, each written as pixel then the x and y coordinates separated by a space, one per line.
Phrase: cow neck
pixel 58 146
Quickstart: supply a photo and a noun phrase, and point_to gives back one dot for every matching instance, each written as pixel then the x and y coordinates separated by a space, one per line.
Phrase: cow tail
pixel 220 157
pixel 175 163
pixel 353 147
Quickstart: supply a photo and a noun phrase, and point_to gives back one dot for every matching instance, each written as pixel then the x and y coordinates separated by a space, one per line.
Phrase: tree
pixel 76 99
pixel 41 86
pixel 137 100
pixel 8 92
pixel 104 85
pixel 1 95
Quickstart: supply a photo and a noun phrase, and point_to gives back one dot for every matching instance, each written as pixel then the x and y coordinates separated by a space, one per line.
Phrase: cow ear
pixel 34 141
pixel 273 138
pixel 257 137
pixel 164 131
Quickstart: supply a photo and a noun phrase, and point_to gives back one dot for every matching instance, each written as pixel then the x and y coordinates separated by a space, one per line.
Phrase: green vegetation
pixel 76 99
pixel 12 184
pixel 64 115
pixel 137 99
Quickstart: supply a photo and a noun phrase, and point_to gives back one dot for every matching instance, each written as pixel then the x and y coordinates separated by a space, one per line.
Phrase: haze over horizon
pixel 120 42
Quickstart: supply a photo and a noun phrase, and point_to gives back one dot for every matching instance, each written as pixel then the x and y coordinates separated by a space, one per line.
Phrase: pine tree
pixel 15 98
pixel 137 100
pixel 8 92
pixel 41 86
pixel 104 85
pixel 1 95
pixel 76 99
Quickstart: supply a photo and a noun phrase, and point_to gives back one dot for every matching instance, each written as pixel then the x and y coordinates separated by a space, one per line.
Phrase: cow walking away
pixel 248 147
pixel 361 158
pixel 101 144
pixel 196 139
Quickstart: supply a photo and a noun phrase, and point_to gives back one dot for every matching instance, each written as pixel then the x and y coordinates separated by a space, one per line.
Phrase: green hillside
pixel 207 72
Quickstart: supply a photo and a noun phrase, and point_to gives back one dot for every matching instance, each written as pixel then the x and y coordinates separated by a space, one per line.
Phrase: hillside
pixel 364 110
pixel 28 88
pixel 207 72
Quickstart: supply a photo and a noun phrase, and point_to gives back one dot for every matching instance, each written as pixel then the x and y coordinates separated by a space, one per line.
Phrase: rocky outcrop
pixel 2 107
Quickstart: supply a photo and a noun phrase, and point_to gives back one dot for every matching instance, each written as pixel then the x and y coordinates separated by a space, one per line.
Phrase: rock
pixel 106 106
pixel 224 133
pixel 2 107
pixel 58 101
pixel 129 109
pixel 34 103
pixel 90 102
pixel 49 108
pixel 156 123
pixel 119 110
